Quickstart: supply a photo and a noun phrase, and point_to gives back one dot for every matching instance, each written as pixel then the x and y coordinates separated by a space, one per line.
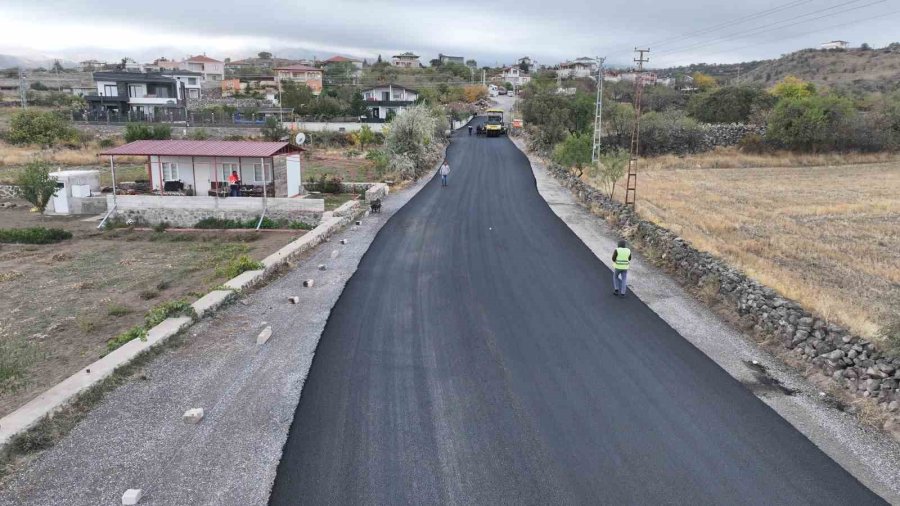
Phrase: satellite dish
pixel 300 138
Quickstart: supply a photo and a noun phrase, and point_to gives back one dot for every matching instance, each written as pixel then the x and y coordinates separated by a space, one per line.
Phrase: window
pixel 227 169
pixel 170 171
pixel 110 90
pixel 135 90
pixel 192 80
pixel 398 94
pixel 258 173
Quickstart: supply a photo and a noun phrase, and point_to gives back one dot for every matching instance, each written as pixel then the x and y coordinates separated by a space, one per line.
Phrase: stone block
pixel 132 496
pixel 294 300
pixel 193 416
pixel 308 283
pixel 264 336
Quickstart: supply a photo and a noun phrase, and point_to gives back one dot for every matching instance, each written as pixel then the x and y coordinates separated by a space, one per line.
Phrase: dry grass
pixel 335 161
pixel 732 158
pixel 828 237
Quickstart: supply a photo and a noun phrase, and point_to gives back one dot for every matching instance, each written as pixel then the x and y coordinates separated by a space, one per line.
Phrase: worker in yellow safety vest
pixel 621 259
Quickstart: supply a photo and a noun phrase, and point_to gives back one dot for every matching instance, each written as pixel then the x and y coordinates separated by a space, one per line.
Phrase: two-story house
pixel 302 74
pixel 385 101
pixel 209 68
pixel 188 83
pixel 406 60
pixel 445 58
pixel 515 76
pixel 136 93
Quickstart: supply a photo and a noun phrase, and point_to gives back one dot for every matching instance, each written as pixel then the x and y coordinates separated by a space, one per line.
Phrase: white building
pixel 209 68
pixel 405 60
pixel 188 83
pixel 515 76
pixel 388 100
pixel 578 69
pixel 836 44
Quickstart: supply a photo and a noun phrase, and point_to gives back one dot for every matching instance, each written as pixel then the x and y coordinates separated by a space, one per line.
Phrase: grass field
pixel 828 237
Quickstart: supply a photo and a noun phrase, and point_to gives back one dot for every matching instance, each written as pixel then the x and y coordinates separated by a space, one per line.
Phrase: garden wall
pixel 185 212
pixel 853 362
pixel 9 191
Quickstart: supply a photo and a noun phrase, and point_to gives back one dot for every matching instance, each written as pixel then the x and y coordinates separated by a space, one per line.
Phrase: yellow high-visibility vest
pixel 622 256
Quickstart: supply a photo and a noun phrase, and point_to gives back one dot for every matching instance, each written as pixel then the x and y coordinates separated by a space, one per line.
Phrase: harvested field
pixel 62 302
pixel 828 237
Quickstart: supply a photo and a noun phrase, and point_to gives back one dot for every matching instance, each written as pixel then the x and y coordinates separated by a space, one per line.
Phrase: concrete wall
pixel 185 212
pixel 308 126
pixel 853 362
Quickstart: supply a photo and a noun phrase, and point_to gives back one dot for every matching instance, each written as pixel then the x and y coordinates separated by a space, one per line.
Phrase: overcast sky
pixel 489 31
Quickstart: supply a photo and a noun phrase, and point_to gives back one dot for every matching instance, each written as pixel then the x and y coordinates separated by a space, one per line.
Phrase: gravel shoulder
pixel 869 455
pixel 135 437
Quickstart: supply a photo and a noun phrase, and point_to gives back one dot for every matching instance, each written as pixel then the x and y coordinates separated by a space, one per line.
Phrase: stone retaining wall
pixel 9 191
pixel 729 134
pixel 853 362
pixel 185 212
pixel 178 132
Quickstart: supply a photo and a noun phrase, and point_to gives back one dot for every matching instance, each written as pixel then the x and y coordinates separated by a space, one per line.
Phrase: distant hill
pixel 861 70
pixel 11 61
pixel 724 72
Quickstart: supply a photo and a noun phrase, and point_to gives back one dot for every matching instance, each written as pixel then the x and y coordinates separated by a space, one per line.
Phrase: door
pixel 376 113
pixel 61 200
pixel 203 177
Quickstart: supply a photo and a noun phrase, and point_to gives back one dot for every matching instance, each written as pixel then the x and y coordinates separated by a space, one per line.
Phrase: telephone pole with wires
pixel 23 88
pixel 598 112
pixel 631 182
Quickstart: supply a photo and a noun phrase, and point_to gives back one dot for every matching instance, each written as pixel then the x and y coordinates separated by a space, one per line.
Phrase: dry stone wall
pixel 852 361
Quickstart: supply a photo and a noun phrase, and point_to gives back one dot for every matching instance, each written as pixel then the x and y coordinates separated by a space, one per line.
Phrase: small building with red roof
pixel 210 68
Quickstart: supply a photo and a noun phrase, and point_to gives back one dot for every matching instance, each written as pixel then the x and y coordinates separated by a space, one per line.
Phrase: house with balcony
pixel 301 74
pixel 578 69
pixel 515 76
pixel 187 82
pixel 209 68
pixel 138 94
pixel 385 101
pixel 407 60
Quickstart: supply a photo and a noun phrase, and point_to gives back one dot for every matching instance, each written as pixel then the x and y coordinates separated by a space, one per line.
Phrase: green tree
pixel 264 55
pixel 471 63
pixel 574 151
pixel 297 96
pixel 57 67
pixel 728 104
pixel 39 127
pixel 812 123
pixel 357 105
pixel 610 169
pixel 661 98
pixel 366 136
pixel 35 184
pixel 142 131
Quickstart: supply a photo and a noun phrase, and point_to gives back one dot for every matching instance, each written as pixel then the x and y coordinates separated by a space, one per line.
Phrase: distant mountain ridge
pixel 11 61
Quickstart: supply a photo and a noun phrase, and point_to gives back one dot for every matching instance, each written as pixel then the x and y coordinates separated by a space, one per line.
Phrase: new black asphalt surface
pixel 478 356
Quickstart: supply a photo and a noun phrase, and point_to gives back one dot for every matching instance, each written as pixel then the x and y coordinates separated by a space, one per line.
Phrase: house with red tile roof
pixel 210 68
pixel 301 74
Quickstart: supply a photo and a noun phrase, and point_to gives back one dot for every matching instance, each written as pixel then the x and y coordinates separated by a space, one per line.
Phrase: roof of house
pixel 339 58
pixel 299 67
pixel 408 54
pixel 178 72
pixel 133 77
pixel 203 148
pixel 202 58
pixel 388 85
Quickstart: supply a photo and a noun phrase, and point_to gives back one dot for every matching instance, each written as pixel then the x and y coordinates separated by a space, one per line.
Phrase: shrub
pixel 812 123
pixel 669 132
pixel 37 127
pixel 413 138
pixel 148 294
pixel 141 131
pixel 106 142
pixel 138 332
pixel 38 235
pixel 238 266
pixel 381 160
pixel 35 184
pixel 117 310
pixel 274 130
pixel 575 151
pixel 729 104
pixel 753 144
pixel 171 309
pixel 610 169
pixel 326 183
pixel 793 87
pixel 199 134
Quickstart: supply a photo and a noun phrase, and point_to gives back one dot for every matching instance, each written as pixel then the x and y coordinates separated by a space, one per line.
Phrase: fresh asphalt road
pixel 478 356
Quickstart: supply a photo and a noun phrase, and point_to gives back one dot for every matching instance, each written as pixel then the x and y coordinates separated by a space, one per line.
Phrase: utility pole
pixel 483 73
pixel 598 113
pixel 23 88
pixel 631 182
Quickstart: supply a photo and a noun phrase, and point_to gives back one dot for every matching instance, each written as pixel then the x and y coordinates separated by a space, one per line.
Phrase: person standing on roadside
pixel 621 259
pixel 445 171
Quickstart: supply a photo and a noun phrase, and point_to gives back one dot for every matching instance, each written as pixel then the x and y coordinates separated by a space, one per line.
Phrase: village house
pixel 209 68
pixel 406 60
pixel 580 68
pixel 835 44
pixel 388 100
pixel 301 74
pixel 91 65
pixel 137 93
pixel 515 76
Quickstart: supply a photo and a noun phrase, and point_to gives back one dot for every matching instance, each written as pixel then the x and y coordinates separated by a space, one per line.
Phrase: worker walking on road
pixel 470 129
pixel 445 171
pixel 621 259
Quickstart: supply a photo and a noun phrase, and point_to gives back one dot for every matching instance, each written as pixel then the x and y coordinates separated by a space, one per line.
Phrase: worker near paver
pixel 234 184
pixel 445 171
pixel 470 129
pixel 621 259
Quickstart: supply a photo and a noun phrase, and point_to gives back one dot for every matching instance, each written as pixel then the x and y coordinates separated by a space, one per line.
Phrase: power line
pixel 760 30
